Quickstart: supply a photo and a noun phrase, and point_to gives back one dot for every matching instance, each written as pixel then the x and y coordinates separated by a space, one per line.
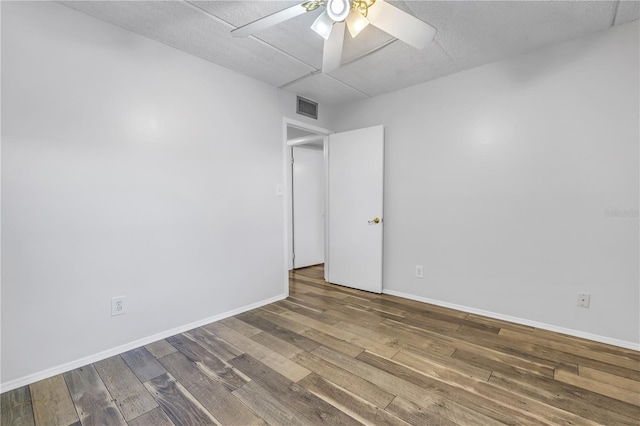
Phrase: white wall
pixel 128 168
pixel 498 180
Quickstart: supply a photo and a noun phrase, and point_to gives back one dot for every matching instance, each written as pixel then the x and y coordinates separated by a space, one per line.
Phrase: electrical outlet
pixel 584 299
pixel 419 271
pixel 117 306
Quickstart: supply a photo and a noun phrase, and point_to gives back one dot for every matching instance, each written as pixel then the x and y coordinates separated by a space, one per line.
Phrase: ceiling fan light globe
pixel 356 22
pixel 338 10
pixel 323 25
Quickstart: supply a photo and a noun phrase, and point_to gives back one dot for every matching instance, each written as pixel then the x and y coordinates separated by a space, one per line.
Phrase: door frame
pixel 288 193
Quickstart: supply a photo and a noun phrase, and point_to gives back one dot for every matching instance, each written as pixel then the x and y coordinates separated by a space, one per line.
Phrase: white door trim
pixel 288 193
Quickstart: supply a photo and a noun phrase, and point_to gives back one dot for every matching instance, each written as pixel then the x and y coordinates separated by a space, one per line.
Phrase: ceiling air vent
pixel 307 108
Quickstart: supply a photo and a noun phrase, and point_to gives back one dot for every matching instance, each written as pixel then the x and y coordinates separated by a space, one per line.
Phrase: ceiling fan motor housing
pixel 338 10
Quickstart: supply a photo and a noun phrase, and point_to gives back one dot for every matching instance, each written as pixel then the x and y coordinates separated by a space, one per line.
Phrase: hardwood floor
pixel 338 356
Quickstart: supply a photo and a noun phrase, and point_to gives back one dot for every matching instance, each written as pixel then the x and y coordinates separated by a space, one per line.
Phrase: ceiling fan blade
pixel 332 55
pixel 400 24
pixel 269 21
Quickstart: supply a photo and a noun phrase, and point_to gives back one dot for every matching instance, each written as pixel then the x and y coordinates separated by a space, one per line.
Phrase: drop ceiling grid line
pixel 348 85
pixel 311 74
pixel 284 86
pixel 614 16
pixel 370 51
pixel 259 40
pixel 453 61
pixel 435 40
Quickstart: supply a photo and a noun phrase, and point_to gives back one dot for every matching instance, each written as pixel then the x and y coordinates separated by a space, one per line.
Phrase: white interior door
pixel 356 178
pixel 308 206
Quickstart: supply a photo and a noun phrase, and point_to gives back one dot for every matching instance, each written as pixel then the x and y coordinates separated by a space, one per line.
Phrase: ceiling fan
pixel 356 15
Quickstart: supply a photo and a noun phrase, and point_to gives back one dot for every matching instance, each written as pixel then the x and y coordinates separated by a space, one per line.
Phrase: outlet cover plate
pixel 419 271
pixel 118 306
pixel 584 299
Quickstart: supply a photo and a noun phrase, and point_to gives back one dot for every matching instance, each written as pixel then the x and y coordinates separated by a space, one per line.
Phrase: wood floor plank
pixel 217 399
pixel 181 407
pixel 280 332
pixel 332 342
pixel 565 360
pixel 91 398
pixel 554 394
pixel 437 320
pixel 418 337
pixel 310 333
pixel 323 302
pixel 240 326
pixel 277 345
pixel 598 387
pixel 619 358
pixel 433 321
pixel 498 323
pixel 608 378
pixel 429 351
pixel 326 292
pixel 345 379
pixel 336 332
pixel 184 370
pixel 426 396
pixel 128 393
pixel 459 390
pixel 52 402
pixel 419 307
pixel 306 286
pixel 310 271
pixel 214 367
pixel 369 313
pixel 160 348
pixel 306 308
pixel 213 344
pixel 519 405
pixel 155 417
pixel 346 291
pixel 511 350
pixel 491 362
pixel 416 415
pixel 279 363
pixel 301 287
pixel 419 363
pixel 16 408
pixel 348 402
pixel 266 406
pixel 383 305
pixel 281 321
pixel 588 345
pixel 370 333
pixel 274 309
pixel 143 364
pixel 315 314
pixel 314 409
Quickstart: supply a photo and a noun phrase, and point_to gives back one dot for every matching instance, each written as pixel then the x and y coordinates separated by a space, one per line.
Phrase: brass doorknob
pixel 375 220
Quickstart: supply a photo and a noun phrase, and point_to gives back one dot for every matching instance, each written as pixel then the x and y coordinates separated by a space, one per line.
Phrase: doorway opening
pixel 347 219
pixel 305 163
pixel 307 197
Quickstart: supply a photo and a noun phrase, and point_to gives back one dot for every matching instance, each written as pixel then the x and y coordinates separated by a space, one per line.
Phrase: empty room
pixel 333 212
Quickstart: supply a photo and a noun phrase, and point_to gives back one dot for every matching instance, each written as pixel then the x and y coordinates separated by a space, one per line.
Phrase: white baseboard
pixel 50 372
pixel 576 333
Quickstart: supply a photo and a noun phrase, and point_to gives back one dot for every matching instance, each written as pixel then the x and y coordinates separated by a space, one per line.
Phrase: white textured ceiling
pixel 289 55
